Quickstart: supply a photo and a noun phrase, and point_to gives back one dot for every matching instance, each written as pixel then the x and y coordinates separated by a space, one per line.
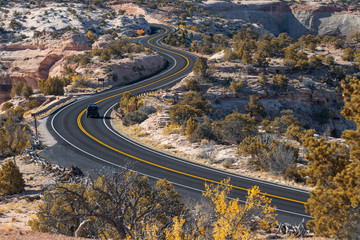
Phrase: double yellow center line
pixel 151 163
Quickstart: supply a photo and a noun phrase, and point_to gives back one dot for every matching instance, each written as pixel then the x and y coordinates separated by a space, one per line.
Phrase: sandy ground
pixel 29 235
pixel 16 210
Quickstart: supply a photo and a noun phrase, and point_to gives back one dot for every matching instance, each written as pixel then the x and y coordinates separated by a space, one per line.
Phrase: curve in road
pixel 98 142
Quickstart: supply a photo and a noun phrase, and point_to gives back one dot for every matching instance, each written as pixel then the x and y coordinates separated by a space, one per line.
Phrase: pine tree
pixel 334 171
pixel 191 125
pixel 11 180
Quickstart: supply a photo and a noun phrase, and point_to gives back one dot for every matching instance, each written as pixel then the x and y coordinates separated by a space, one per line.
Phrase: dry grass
pixel 7 227
pixel 15 211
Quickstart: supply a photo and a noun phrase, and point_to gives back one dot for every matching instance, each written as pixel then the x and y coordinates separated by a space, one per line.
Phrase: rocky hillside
pixel 293 18
pixel 35 40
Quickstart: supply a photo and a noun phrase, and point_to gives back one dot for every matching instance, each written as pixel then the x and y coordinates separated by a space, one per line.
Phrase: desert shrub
pixel 129 103
pixel 14 24
pixel 235 128
pixel 264 46
pixel 179 114
pixel 348 54
pixel 202 131
pixel 196 100
pixel 11 180
pixel 16 89
pixel 295 59
pixel 135 117
pixel 82 82
pixel 200 67
pixel 147 109
pixel 315 60
pixel 235 86
pixel 260 59
pixel 338 43
pixel 6 106
pixel 280 124
pixel 230 55
pixel 227 163
pixel 280 82
pixel 246 57
pixel 295 132
pixel 104 200
pixel 21 89
pixel 334 75
pixel 32 104
pixel 263 80
pixel 292 173
pixel 251 146
pixel 280 157
pixel 255 108
pixel 27 91
pixel 91 36
pixel 51 86
pixel 268 154
pixel 173 129
pixel 192 85
pixel 329 60
pixel 14 135
pixel 191 125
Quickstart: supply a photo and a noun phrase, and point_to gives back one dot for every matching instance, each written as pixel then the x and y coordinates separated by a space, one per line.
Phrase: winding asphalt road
pixel 91 143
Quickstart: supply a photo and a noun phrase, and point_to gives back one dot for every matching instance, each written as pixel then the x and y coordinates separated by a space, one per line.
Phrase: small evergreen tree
pixel 51 86
pixel 11 179
pixel 200 67
pixel 255 108
pixel 334 172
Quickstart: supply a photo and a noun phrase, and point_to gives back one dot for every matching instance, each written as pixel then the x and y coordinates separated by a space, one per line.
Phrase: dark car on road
pixel 92 111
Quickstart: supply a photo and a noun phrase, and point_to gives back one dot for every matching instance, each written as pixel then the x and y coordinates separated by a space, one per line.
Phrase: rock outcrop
pixel 293 18
pixel 34 41
pixel 31 61
pixel 124 70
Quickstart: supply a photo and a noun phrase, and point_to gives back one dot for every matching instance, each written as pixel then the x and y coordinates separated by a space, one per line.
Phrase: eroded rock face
pixel 124 70
pixel 43 37
pixel 33 60
pixel 295 19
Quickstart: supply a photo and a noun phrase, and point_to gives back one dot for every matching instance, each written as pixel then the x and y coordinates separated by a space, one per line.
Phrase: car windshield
pixel 93 107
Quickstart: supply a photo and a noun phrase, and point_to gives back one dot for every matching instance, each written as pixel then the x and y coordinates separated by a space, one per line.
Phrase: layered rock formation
pixel 125 70
pixel 34 41
pixel 295 19
pixel 31 61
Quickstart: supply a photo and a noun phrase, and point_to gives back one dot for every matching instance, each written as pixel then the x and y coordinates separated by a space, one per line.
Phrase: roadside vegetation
pixel 125 205
pixel 117 49
pixel 334 173
pixel 291 143
pixel 278 145
pixel 14 133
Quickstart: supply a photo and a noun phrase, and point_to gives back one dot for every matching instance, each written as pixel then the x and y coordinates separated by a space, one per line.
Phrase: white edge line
pixel 157 152
pixel 143 146
pixel 119 166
